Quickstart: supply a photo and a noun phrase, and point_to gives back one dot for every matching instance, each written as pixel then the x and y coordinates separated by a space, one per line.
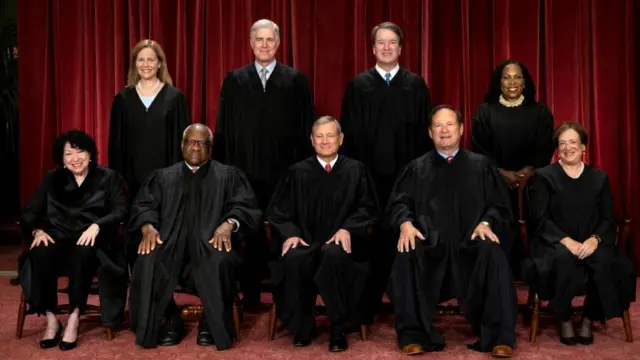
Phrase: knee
pixel 563 257
pixel 41 254
pixel 295 256
pixel 333 252
pixel 222 259
pixel 84 254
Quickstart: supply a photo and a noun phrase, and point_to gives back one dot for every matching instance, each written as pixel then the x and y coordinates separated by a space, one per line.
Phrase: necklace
pixel 153 88
pixel 516 103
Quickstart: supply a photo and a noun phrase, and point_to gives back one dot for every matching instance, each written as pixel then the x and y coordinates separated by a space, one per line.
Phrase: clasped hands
pixel 341 237
pixel 151 237
pixel 518 178
pixel 88 237
pixel 581 250
pixel 408 235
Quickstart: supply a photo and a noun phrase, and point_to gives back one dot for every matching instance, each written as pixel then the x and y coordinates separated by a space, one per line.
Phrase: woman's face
pixel 512 82
pixel 75 160
pixel 147 64
pixel 570 148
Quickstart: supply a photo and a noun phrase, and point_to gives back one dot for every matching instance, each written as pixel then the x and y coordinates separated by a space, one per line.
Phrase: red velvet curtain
pixel 582 55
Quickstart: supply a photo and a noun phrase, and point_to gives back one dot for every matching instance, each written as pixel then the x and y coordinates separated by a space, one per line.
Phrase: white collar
pixel 579 173
pixel 269 67
pixel 382 72
pixel 192 167
pixel 324 163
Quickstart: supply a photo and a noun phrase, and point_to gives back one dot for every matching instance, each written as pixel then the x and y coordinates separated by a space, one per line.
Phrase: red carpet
pixel 92 344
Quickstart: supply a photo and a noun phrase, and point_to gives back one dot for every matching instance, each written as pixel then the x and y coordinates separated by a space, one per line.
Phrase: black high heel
pixel 64 346
pixel 49 343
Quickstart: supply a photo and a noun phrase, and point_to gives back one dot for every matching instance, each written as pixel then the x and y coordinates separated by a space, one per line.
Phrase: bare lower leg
pixel 71 331
pixel 52 326
pixel 566 329
pixel 585 328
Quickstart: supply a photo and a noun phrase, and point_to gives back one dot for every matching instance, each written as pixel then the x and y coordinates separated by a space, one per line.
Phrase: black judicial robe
pixel 514 137
pixel 446 202
pixel 186 224
pixel 264 131
pixel 312 204
pixel 65 210
pixel 577 208
pixel 385 126
pixel 142 140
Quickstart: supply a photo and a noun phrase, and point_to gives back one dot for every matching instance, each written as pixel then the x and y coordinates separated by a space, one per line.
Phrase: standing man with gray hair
pixel 265 117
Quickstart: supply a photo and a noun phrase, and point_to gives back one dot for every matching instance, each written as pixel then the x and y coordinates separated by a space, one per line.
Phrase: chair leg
pixel 109 331
pixel 22 313
pixel 626 320
pixel 535 317
pixel 363 332
pixel 272 322
pixel 236 320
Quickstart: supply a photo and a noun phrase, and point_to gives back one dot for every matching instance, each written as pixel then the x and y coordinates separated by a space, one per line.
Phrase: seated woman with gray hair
pixel 68 226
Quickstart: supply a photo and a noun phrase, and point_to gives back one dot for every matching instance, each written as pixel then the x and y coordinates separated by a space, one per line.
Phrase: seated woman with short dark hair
pixel 573 232
pixel 74 214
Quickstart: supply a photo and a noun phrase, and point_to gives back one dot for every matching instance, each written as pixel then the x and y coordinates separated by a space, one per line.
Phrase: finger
pixel 34 243
pixel 330 240
pixel 399 245
pixel 474 235
pixel 419 235
pixel 92 241
pixel 412 241
pixel 46 244
pixel 348 243
pixel 345 246
pixel 227 245
pixel 158 239
pixel 303 243
pixel 482 236
pixel 49 238
pixel 285 247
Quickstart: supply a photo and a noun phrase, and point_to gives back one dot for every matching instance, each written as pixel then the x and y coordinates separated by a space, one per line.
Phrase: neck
pixel 448 152
pixel 327 159
pixel 264 63
pixel 147 83
pixel 574 165
pixel 388 67
pixel 81 176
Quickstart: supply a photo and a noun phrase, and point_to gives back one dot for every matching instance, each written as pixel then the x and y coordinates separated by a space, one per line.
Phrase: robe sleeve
pixel 117 149
pixel 117 203
pixel 498 209
pixel 146 206
pixel 307 117
pixel 543 151
pixel 606 228
pixel 222 123
pixel 481 134
pixel 179 119
pixel 539 195
pixel 241 203
pixel 365 208
pixel 34 213
pixel 401 206
pixel 282 210
pixel 348 118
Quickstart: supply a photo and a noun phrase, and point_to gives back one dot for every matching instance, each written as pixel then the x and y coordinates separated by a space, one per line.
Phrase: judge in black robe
pixel 385 126
pixel 145 132
pixel 514 131
pixel 573 247
pixel 187 213
pixel 70 227
pixel 455 221
pixel 263 129
pixel 320 214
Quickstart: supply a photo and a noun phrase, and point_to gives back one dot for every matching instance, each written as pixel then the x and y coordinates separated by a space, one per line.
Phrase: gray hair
pixel 264 24
pixel 201 127
pixel 326 120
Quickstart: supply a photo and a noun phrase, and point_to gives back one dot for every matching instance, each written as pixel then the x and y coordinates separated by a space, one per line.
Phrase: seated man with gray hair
pixel 183 221
pixel 320 212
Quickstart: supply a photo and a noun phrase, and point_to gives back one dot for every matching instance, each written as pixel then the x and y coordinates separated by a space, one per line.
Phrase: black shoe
pixel 301 341
pixel 171 332
pixel 49 343
pixel 338 342
pixel 584 340
pixel 204 335
pixel 64 346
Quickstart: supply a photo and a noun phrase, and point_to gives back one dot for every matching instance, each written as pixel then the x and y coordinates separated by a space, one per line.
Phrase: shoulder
pixel 547 173
pixel 595 174
pixel 364 78
pixel 302 166
pixel 224 171
pixel 412 78
pixel 352 164
pixel 238 75
pixel 173 92
pixel 291 73
pixel 477 158
pixel 483 109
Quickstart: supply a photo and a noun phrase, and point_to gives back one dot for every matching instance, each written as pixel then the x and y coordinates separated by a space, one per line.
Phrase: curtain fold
pixel 74 56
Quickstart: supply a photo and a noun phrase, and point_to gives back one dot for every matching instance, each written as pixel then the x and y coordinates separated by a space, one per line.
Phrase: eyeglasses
pixel 201 143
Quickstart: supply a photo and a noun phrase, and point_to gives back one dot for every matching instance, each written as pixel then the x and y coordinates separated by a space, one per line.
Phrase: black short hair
pixel 443 107
pixel 494 92
pixel 389 26
pixel 570 125
pixel 78 139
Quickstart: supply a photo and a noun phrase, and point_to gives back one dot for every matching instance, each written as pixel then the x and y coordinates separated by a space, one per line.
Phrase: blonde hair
pixel 163 72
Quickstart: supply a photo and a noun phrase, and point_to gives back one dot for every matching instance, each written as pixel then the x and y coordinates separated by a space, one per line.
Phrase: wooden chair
pixel 319 309
pixel 533 302
pixel 194 310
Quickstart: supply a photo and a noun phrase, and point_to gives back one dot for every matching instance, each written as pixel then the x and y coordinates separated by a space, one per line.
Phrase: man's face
pixel 196 147
pixel 265 45
pixel 445 130
pixel 387 47
pixel 326 140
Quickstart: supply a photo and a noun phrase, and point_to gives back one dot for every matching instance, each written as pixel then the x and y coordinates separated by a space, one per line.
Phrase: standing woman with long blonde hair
pixel 148 117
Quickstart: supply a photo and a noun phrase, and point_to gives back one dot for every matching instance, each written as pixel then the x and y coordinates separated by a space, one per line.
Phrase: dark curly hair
pixel 494 92
pixel 78 139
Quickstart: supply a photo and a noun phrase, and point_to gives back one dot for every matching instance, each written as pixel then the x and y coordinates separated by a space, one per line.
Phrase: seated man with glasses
pixel 183 220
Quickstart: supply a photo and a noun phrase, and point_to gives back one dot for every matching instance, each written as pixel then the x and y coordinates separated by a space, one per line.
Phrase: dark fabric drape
pixel 582 56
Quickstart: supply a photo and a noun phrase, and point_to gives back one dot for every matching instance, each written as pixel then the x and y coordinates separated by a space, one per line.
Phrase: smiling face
pixel 326 140
pixel 570 147
pixel 387 47
pixel 512 82
pixel 445 131
pixel 265 45
pixel 147 64
pixel 75 160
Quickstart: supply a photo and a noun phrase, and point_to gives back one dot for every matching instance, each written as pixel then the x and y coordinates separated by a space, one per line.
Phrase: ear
pixel 430 133
pixel 341 139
